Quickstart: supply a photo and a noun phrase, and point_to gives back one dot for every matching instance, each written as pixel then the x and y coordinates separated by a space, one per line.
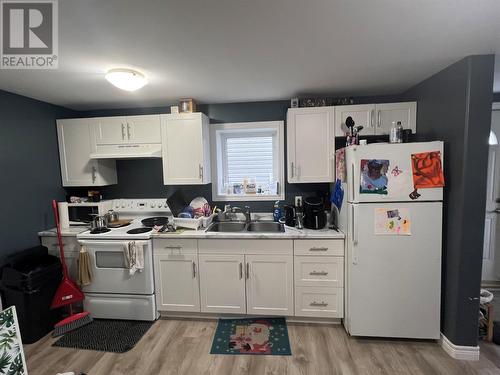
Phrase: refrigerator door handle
pixel 352 182
pixel 354 236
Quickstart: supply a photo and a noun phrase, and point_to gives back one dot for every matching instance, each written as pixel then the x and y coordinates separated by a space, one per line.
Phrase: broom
pixel 67 293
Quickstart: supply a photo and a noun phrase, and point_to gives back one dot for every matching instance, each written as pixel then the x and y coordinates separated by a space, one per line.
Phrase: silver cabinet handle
pixel 379 119
pixel 128 130
pixel 372 118
pixel 94 177
pixel 173 247
pixel 292 170
pixel 248 270
pixel 194 270
pixel 241 270
pixel 322 304
pixel 200 171
pixel 123 131
pixel 318 273
pixel 318 249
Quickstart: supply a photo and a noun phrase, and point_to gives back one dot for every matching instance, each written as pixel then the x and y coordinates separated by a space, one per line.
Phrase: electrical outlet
pixel 298 200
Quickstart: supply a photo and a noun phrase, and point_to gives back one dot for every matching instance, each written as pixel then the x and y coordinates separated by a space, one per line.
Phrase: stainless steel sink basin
pixel 265 227
pixel 227 227
pixel 254 226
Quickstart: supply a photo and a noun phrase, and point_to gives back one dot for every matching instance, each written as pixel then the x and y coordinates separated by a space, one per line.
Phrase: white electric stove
pixel 113 292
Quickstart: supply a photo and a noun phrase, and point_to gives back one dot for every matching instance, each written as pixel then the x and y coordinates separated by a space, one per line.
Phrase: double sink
pixel 241 226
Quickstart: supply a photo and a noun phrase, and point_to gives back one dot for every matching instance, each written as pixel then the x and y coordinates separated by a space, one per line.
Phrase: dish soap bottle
pixel 396 135
pixel 276 211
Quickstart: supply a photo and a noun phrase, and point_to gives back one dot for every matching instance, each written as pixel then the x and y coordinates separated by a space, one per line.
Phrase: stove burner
pixel 99 230
pixel 154 221
pixel 139 230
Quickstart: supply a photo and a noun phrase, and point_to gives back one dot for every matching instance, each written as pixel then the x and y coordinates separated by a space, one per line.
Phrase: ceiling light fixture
pixel 126 79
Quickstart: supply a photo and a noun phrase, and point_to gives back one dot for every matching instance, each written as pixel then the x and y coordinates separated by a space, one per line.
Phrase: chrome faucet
pixel 246 212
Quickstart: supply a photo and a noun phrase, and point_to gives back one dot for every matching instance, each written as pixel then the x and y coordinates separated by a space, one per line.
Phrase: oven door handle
pixel 90 243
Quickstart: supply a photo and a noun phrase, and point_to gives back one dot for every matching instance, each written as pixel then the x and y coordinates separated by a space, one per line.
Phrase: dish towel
pixel 134 257
pixel 84 269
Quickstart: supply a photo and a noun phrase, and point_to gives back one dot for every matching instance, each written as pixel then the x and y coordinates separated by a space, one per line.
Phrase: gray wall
pixel 496 97
pixel 29 162
pixel 454 106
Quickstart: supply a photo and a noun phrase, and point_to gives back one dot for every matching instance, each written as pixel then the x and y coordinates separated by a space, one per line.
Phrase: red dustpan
pixel 67 292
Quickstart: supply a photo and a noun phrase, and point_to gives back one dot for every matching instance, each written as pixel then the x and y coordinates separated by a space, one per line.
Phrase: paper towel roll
pixel 63 214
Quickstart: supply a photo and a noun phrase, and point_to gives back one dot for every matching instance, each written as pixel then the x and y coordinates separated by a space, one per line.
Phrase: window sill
pixel 248 198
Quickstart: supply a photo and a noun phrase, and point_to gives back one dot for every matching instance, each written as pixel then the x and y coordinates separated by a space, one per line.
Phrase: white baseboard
pixel 466 353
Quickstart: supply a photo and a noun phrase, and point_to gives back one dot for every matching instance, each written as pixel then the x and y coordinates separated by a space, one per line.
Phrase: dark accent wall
pixel 454 106
pixel 29 161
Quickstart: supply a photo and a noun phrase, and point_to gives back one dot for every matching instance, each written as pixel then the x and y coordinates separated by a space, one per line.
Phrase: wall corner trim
pixel 466 353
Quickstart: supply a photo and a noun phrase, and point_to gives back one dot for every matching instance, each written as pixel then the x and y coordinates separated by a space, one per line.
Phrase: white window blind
pixel 250 158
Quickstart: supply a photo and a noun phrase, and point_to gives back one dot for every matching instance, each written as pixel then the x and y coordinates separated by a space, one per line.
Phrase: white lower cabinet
pixel 269 284
pixel 319 302
pixel 222 283
pixel 176 278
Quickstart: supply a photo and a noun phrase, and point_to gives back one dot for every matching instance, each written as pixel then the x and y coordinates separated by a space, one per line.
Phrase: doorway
pixel 491 246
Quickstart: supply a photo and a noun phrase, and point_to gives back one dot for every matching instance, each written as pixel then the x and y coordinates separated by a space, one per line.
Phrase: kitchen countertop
pixel 290 233
pixel 65 232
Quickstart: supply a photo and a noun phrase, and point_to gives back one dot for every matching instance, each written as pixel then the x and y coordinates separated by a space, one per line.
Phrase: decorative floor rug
pixel 106 335
pixel 264 336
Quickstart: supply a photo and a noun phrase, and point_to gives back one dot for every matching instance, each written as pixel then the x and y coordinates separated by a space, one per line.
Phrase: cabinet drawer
pixel 175 246
pixel 319 247
pixel 319 302
pixel 238 246
pixel 319 271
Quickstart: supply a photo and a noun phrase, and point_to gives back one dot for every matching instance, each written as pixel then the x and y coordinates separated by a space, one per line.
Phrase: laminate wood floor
pixel 183 347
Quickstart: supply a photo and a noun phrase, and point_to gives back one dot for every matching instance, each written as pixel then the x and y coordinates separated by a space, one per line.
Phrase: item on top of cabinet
pixel 94 196
pixel 276 211
pixel 289 215
pixel 174 109
pixel 187 105
pixel 315 216
pixel 294 102
pixel 396 134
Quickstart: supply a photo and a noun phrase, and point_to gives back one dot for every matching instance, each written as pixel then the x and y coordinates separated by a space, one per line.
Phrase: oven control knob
pixel 152 205
pixel 160 205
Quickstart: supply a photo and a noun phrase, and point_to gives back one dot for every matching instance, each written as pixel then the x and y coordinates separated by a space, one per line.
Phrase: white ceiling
pixel 245 50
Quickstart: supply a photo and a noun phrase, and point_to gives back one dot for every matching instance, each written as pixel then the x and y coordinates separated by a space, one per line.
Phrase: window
pixel 247 161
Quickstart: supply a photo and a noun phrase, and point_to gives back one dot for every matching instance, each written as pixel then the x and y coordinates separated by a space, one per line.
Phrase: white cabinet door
pixel 362 114
pixel 269 284
pixel 110 130
pixel 186 149
pixel 143 129
pixel 77 169
pixel 310 144
pixel 222 283
pixel 393 112
pixel 176 281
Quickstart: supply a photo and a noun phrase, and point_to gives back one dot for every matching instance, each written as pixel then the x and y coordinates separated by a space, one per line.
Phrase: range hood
pixel 128 151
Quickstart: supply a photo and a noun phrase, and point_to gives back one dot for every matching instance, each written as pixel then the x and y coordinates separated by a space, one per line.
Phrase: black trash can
pixel 29 280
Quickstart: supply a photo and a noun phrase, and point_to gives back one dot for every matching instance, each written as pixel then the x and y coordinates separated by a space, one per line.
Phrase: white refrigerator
pixel 393 240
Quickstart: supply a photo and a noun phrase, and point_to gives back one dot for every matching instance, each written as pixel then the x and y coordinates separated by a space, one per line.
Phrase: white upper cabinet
pixel 393 112
pixel 75 146
pixel 363 114
pixel 127 129
pixel 144 129
pixel 310 144
pixel 185 149
pixel 376 119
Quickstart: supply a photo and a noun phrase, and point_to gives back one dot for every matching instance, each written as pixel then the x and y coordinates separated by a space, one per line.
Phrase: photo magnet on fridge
pixel 374 176
pixel 392 222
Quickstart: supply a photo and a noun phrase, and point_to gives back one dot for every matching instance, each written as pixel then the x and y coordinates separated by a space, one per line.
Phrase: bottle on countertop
pixel 396 135
pixel 276 211
pixel 299 215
